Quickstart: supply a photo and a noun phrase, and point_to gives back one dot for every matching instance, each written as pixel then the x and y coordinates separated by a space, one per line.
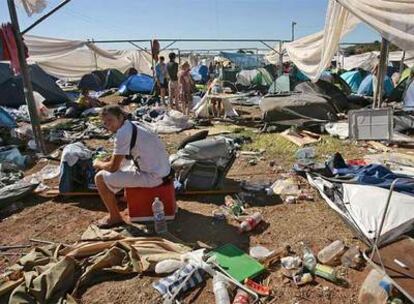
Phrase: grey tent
pixel 11 87
pixel 327 90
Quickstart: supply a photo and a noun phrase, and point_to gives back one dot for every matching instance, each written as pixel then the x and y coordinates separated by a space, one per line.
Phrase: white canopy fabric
pixel 32 6
pixel 393 19
pixel 71 59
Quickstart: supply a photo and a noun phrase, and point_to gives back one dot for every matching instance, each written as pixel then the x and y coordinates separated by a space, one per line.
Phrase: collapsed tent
pixel 11 87
pixel 362 206
pixel 282 84
pixel 366 87
pixel 139 83
pixel 256 77
pixel 284 108
pixel 101 80
pixel 329 91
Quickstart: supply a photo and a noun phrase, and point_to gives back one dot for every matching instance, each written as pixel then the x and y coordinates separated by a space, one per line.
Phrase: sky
pixel 148 19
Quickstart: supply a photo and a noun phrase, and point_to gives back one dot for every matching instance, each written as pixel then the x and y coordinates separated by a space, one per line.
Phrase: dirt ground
pixel 64 220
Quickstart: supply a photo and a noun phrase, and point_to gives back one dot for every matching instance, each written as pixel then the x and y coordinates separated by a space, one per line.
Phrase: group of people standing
pixel 177 80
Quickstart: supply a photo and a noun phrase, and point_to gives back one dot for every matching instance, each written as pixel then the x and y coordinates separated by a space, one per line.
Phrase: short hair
pixel 171 55
pixel 162 58
pixel 132 71
pixel 113 110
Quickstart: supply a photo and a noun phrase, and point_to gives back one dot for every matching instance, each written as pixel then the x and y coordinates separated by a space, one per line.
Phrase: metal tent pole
pixel 402 63
pixel 381 71
pixel 27 83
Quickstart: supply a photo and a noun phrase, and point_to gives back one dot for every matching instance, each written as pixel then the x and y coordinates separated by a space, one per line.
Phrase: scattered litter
pixel 259 253
pixel 331 254
pixel 251 222
pixel 300 138
pixel 352 258
pixel 291 262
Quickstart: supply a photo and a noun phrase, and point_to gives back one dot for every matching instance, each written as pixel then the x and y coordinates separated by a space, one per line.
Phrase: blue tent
pixel 353 79
pixel 199 73
pixel 366 87
pixel 139 83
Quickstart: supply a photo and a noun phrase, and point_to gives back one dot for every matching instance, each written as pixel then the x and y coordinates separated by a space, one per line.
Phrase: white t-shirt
pixel 148 151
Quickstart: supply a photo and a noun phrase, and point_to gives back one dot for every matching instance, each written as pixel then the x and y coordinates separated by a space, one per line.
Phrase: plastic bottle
pixel 375 289
pixel 160 223
pixel 326 272
pixel 221 293
pixel 251 222
pixel 241 297
pixel 352 258
pixel 331 254
pixel 309 260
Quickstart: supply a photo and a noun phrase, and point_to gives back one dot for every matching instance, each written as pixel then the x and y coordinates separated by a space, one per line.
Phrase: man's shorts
pixel 116 181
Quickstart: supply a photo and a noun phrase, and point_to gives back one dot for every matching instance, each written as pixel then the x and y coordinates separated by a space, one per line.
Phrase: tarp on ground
pixel 243 61
pixel 139 83
pixel 353 79
pixel 393 19
pixel 11 87
pixel 366 87
pixel 362 206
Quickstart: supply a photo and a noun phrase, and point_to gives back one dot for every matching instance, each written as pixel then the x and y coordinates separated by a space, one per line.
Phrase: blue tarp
pixel 377 175
pixel 139 83
pixel 366 86
pixel 199 73
pixel 243 61
pixel 353 79
pixel 6 121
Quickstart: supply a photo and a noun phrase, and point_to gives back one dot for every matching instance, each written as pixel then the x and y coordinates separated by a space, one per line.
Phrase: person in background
pixel 173 93
pixel 132 71
pixel 84 102
pixel 186 88
pixel 140 163
pixel 408 96
pixel 216 88
pixel 161 76
pixel 211 70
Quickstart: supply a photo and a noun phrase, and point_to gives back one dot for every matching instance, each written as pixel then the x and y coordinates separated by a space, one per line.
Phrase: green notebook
pixel 237 263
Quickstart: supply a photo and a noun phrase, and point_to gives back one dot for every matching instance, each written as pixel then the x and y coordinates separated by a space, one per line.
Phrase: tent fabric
pixel 367 86
pixel 362 207
pixel 6 120
pixel 353 79
pixel 113 78
pixel 295 106
pixel 11 89
pixel 243 61
pixel 199 73
pixel 393 19
pixel 71 59
pixel 408 101
pixel 139 83
pixel 94 81
pixel 283 83
pixel 323 88
pixel 33 6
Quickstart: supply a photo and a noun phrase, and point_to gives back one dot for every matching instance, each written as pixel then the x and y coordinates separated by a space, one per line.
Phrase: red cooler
pixel 140 202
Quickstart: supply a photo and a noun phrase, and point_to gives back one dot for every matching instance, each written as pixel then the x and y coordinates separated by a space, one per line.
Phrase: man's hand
pixel 97 164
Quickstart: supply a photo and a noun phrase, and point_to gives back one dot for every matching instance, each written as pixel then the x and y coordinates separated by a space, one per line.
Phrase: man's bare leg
pixel 109 199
